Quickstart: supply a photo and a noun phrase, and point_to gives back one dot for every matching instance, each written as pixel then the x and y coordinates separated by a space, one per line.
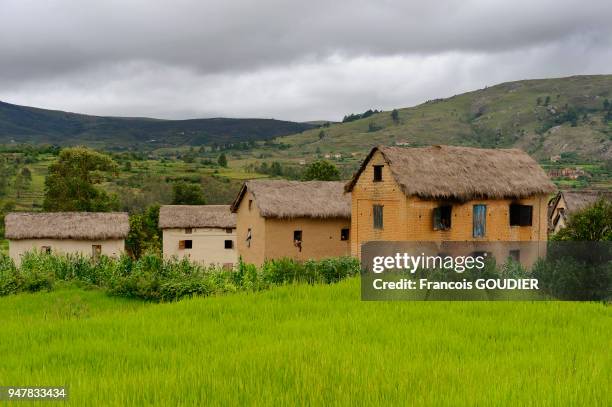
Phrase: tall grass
pixel 301 344
pixel 154 278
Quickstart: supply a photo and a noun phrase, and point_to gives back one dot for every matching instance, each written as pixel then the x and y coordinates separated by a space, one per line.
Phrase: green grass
pixel 301 344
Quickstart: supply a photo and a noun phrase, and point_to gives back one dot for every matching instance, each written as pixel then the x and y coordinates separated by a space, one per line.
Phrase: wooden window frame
pixel 442 217
pixel 96 251
pixel 475 228
pixel 378 224
pixel 185 244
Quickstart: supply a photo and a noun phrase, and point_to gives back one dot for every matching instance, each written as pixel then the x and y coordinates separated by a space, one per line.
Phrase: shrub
pixel 153 278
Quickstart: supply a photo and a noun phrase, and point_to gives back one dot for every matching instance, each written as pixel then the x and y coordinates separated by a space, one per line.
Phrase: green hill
pixel 23 124
pixel 543 117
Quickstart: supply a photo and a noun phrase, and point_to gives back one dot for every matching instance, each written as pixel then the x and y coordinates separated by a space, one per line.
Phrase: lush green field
pixel 307 345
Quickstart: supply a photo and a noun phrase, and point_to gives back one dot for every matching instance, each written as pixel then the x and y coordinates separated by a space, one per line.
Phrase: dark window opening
pixel 229 244
pixel 442 217
pixel 297 239
pixel 188 231
pixel 249 237
pixel 378 173
pixel 185 244
pixel 479 218
pixel 378 216
pixel 46 249
pixel 229 230
pixel 521 215
pixel 515 255
pixel 344 234
pixel 250 204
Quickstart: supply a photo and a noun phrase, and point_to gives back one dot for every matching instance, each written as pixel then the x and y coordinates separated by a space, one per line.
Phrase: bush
pixel 153 278
pixel 576 271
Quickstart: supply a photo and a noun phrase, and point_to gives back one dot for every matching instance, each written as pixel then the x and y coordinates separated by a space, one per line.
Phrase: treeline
pixel 356 116
pixel 154 279
pixel 275 169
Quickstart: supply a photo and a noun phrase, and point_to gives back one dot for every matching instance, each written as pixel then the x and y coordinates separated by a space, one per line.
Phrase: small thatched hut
pixel 87 233
pixel 566 203
pixel 203 233
pixel 300 220
pixel 448 193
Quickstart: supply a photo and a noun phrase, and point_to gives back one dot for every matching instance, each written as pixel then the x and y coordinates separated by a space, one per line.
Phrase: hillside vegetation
pixel 543 117
pixel 23 124
pixel 307 345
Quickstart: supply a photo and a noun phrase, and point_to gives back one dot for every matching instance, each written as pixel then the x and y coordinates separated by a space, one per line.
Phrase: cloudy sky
pixel 295 60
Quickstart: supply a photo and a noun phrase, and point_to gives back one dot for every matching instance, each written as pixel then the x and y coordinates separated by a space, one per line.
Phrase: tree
pixel 547 101
pixel 70 184
pixel 395 116
pixel 144 234
pixel 538 101
pixel 591 224
pixel 321 170
pixel 187 194
pixel 23 180
pixel 222 161
pixel 321 135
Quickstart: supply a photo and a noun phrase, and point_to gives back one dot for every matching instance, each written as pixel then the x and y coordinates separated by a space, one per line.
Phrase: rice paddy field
pixel 301 344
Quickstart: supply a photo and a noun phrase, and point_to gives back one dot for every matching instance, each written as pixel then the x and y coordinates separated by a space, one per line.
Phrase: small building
pixel 86 233
pixel 570 173
pixel 566 203
pixel 298 220
pixel 205 234
pixel 446 193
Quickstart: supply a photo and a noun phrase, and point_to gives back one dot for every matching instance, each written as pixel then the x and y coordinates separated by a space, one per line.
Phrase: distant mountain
pixel 23 124
pixel 543 117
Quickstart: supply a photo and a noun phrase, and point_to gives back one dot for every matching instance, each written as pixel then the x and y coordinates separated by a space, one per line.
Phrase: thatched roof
pixel 578 200
pixel 67 225
pixel 295 199
pixel 196 216
pixel 462 173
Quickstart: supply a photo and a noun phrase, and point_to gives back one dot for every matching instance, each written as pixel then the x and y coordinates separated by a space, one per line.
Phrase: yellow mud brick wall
pixel 320 238
pixel 410 218
pixel 250 218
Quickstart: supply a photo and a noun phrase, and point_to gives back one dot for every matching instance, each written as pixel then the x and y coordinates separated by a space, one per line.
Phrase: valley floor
pixel 302 344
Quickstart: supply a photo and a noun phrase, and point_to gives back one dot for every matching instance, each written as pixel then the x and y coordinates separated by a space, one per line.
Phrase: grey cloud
pixel 297 60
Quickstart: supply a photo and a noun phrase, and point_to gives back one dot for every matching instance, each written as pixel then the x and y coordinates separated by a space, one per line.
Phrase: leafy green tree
pixel 395 116
pixel 71 182
pixel 6 171
pixel 145 235
pixel 222 161
pixel 591 224
pixel 185 193
pixel 5 207
pixel 276 169
pixel 321 135
pixel 321 170
pixel 547 101
pixel 22 182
